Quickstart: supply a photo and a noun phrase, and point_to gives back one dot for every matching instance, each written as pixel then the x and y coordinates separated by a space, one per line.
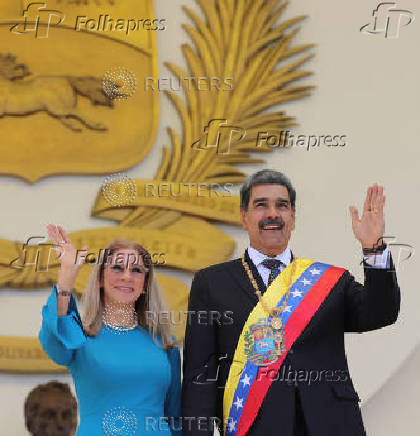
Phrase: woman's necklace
pixel 126 314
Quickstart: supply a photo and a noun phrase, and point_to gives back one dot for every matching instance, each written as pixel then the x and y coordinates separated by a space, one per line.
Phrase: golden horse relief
pixel 56 95
pixel 66 117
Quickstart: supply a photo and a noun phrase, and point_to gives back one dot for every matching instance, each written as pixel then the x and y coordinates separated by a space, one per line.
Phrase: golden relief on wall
pixel 53 61
pixel 244 43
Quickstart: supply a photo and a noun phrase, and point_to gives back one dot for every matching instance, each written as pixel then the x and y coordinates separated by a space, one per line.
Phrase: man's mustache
pixel 278 222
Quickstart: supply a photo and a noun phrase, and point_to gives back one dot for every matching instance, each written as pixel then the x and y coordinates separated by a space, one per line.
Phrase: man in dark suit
pixel 312 392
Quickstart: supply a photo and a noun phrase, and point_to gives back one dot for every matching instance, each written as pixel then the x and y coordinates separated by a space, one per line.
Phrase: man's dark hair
pixel 266 177
pixel 33 403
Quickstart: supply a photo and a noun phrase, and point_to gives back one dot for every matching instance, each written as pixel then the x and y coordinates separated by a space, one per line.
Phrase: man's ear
pixel 293 218
pixel 244 219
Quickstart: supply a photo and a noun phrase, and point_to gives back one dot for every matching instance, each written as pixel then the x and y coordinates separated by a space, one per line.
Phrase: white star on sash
pixel 296 294
pixel 245 380
pixel 232 425
pixel 315 271
pixel 306 282
pixel 287 309
pixel 239 402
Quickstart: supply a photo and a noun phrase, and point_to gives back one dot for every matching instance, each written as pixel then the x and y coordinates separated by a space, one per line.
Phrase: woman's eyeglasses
pixel 119 269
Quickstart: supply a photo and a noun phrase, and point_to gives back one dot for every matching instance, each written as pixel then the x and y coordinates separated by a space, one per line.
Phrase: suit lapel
pixel 241 277
pixel 255 273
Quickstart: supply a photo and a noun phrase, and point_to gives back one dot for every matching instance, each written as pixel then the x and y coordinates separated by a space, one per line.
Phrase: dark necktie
pixel 274 266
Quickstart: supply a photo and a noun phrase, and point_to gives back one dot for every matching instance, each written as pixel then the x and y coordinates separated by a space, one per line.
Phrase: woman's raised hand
pixel 68 256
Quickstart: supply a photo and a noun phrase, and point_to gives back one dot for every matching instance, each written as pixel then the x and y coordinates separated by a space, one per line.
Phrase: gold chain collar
pixel 274 312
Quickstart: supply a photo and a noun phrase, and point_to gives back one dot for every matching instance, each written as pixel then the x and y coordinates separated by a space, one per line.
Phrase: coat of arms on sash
pixel 263 344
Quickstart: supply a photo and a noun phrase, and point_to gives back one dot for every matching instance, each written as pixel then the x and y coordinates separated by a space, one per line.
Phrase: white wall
pixel 367 89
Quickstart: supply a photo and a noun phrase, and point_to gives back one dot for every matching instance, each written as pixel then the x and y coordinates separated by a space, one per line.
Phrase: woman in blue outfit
pixel 124 363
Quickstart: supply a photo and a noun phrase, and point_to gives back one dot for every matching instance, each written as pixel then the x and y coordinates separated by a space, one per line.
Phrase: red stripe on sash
pixel 293 329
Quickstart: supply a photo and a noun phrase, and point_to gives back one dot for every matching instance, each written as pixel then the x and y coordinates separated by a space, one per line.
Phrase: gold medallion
pixel 276 323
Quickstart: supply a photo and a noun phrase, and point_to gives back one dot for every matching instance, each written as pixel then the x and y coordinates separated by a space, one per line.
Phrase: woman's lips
pixel 125 289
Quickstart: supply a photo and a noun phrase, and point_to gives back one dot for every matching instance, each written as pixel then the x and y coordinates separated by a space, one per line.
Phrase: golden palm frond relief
pixel 247 41
pixel 250 57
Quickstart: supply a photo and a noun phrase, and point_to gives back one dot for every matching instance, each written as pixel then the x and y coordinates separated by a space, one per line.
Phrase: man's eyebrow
pixel 258 199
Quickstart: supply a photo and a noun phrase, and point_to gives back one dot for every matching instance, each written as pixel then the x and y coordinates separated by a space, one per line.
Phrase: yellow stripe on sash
pixel 272 296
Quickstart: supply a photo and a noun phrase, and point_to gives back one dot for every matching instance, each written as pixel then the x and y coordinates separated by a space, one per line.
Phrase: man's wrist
pixel 375 249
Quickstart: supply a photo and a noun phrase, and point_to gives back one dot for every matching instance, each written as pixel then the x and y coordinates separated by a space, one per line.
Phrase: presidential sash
pixel 257 358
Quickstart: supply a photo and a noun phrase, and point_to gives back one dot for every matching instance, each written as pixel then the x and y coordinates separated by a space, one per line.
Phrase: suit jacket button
pixel 291 351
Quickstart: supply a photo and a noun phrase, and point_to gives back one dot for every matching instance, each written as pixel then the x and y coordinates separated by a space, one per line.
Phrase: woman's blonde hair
pixel 148 306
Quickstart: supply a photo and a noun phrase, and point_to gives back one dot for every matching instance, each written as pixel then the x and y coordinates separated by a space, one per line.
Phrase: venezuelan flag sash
pixel 248 383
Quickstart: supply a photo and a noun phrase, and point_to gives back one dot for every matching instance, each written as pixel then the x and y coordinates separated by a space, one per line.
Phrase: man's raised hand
pixel 370 228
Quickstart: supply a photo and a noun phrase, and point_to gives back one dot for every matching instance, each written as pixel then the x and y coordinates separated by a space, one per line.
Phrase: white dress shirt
pixel 374 260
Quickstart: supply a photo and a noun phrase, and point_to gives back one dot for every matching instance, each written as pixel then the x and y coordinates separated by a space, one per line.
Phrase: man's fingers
pixel 374 197
pixel 367 203
pixel 381 199
pixel 354 214
pixel 378 199
pixel 374 201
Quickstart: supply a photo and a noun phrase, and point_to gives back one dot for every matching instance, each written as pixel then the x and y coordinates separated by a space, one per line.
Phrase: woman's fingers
pixel 53 233
pixel 62 235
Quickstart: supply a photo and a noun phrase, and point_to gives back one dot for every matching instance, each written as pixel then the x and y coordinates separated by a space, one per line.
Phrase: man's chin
pixel 273 248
